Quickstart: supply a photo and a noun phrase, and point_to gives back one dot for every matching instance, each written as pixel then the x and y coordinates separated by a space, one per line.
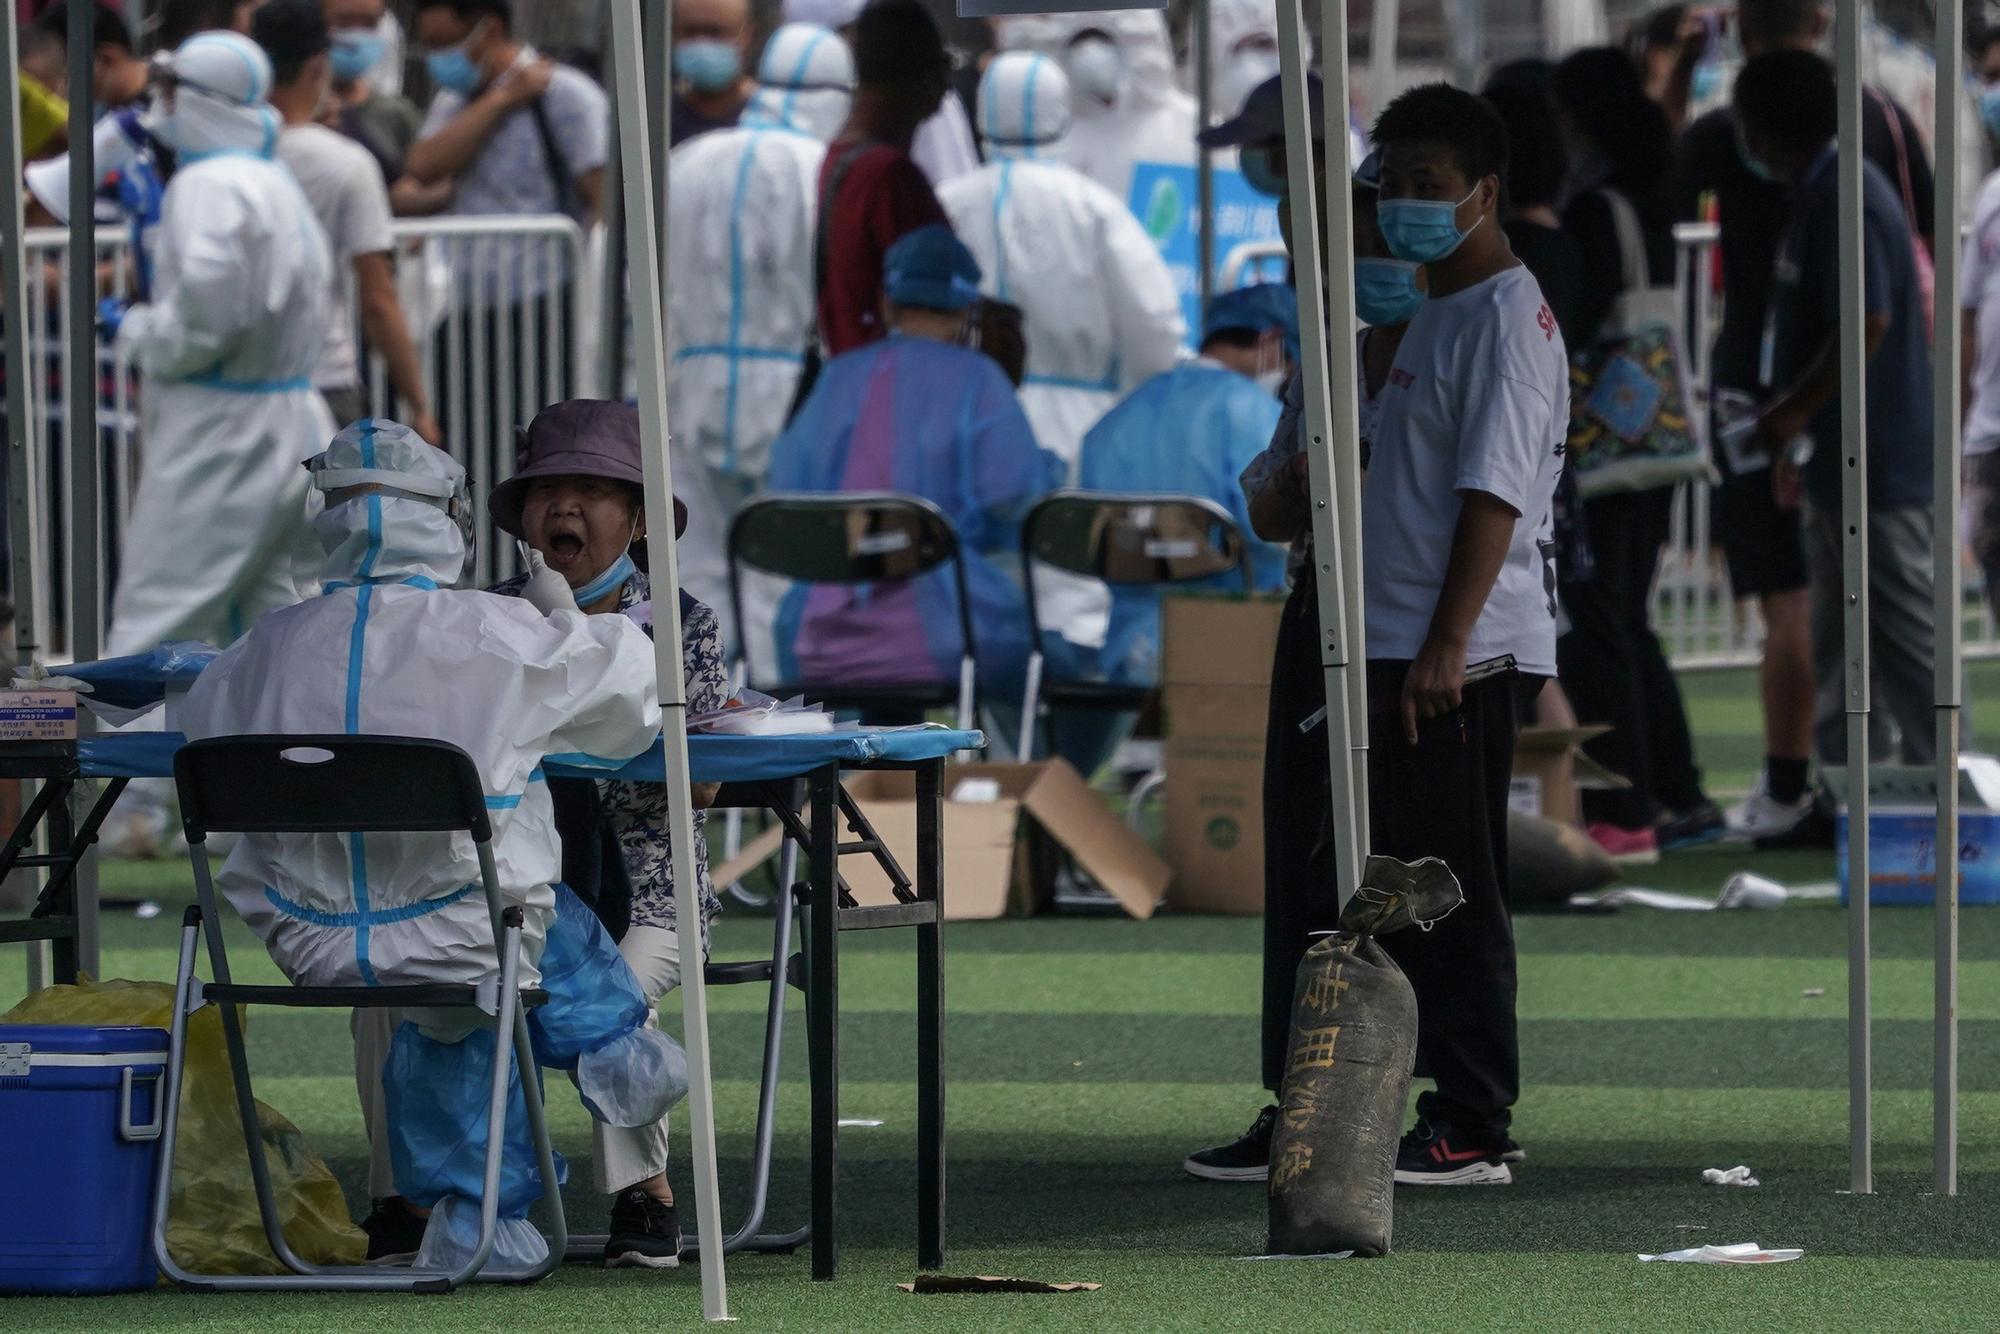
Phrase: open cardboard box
pixel 989 843
pixel 1549 769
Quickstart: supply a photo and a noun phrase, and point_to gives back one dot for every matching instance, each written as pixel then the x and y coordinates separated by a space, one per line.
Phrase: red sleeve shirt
pixel 883 197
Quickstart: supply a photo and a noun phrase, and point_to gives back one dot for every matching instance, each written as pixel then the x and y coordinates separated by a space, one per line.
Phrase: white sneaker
pixel 1760 815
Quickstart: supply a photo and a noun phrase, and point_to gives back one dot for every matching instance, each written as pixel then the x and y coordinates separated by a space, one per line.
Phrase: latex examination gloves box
pixel 1215 684
pixel 1902 832
pixel 1550 768
pixel 37 715
pixel 1006 829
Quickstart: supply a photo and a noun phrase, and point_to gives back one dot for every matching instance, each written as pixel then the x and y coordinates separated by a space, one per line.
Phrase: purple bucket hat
pixel 580 437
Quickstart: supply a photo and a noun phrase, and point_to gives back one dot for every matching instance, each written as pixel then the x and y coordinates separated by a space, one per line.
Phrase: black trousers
pixel 1298 889
pixel 1615 672
pixel 1446 797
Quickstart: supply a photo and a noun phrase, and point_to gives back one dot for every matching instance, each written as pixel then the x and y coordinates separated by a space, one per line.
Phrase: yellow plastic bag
pixel 214 1227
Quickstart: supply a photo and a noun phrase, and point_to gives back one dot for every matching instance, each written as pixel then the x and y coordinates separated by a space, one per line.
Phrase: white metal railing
pixel 453 272
pixel 453 275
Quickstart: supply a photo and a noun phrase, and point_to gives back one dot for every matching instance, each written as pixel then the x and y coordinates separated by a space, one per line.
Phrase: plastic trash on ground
pixel 1347 1073
pixel 213 1223
pixel 1741 1253
pixel 1732 1176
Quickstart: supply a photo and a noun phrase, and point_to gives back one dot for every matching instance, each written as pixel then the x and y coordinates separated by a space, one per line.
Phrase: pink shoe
pixel 1627 847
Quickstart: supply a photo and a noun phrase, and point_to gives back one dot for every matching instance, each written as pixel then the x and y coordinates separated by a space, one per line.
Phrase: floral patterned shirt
pixel 637 812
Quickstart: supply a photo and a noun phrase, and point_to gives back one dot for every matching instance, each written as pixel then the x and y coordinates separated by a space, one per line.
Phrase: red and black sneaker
pixel 1438 1155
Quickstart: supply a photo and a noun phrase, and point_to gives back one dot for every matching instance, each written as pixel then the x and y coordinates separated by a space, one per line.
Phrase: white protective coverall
pixel 1100 308
pixel 740 299
pixel 227 347
pixel 391 649
pixel 1148 118
pixel 1242 51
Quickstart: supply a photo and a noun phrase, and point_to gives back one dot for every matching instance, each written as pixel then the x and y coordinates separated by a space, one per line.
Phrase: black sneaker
pixel 1510 1152
pixel 644 1233
pixel 1246 1158
pixel 1691 828
pixel 394 1233
pixel 1440 1156
pixel 1815 830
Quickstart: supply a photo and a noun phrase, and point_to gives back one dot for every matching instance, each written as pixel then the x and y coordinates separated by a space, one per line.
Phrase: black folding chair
pixel 340 785
pixel 857 538
pixel 1126 538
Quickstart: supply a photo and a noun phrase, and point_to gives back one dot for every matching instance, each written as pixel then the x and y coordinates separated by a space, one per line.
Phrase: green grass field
pixel 1087 1056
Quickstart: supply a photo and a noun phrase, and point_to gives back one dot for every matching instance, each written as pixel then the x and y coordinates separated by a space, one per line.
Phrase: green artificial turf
pixel 1088 1055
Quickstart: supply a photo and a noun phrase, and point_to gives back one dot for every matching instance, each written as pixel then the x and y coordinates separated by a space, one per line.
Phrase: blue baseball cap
pixel 1258 307
pixel 930 268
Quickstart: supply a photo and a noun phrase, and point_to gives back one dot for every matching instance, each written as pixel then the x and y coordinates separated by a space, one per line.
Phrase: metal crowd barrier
pixel 453 274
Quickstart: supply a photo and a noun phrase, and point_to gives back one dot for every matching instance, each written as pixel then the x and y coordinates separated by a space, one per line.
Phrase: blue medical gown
pixel 1190 430
pixel 939 421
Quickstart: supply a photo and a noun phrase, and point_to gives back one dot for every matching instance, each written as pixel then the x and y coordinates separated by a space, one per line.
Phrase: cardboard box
pixel 1902 833
pixel 994 817
pixel 37 715
pixel 1215 694
pixel 1549 769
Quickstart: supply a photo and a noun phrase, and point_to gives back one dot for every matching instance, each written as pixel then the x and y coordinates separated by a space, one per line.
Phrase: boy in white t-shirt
pixel 1459 601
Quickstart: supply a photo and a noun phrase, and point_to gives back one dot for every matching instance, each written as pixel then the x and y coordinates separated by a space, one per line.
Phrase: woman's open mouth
pixel 565 549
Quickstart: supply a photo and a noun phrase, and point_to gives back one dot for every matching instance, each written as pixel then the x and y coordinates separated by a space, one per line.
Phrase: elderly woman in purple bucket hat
pixel 577 498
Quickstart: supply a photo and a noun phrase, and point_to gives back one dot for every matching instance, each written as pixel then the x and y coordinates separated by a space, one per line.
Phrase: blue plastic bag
pixel 437 1094
pixel 595 1025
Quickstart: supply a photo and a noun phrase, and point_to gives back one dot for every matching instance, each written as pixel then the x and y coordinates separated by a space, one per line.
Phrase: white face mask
pixel 1096 71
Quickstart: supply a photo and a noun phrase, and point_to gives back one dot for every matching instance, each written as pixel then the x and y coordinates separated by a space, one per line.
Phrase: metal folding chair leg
pixel 511 1050
pixel 746 1237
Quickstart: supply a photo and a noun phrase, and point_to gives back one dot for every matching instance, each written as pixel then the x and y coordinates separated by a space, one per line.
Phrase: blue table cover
pixel 711 759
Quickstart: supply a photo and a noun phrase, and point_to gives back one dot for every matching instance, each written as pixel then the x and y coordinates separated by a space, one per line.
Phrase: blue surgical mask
pixel 1385 291
pixel 354 53
pixel 613 579
pixel 707 64
pixel 1422 231
pixel 453 69
pixel 1260 172
pixel 1706 81
pixel 1753 164
pixel 1989 108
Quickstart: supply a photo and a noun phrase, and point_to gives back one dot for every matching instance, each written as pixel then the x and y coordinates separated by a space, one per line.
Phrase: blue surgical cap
pixel 931 269
pixel 1258 307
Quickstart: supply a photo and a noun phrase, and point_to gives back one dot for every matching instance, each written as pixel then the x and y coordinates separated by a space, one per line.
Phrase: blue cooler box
pixel 80 1116
pixel 1902 848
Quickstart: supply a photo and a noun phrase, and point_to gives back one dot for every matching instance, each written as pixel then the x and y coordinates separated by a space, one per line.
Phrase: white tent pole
pixel 645 244
pixel 1329 407
pixel 1949 628
pixel 1382 55
pixel 1853 448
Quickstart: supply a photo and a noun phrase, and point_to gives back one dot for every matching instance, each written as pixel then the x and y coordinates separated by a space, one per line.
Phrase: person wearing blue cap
pixel 918 412
pixel 1192 430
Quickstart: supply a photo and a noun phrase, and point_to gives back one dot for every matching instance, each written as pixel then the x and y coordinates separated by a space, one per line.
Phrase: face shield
pixel 397 509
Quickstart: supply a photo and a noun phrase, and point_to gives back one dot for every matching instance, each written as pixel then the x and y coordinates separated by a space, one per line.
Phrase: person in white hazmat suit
pixel 1242 52
pixel 390 649
pixel 226 347
pixel 740 302
pixel 1128 107
pixel 1099 307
